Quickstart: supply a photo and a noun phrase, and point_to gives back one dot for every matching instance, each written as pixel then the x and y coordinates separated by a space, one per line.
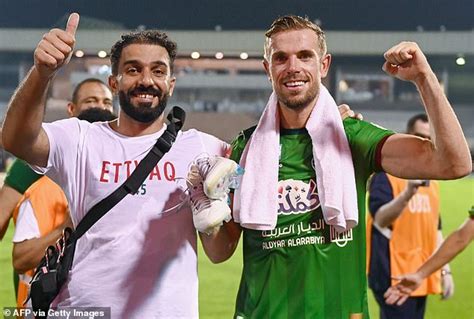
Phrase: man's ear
pixel 266 66
pixel 325 64
pixel 70 109
pixel 172 84
pixel 113 84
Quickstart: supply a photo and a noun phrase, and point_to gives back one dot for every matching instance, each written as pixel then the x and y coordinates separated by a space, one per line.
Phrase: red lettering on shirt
pixel 117 167
pixel 155 172
pixel 122 171
pixel 104 171
pixel 170 172
pixel 127 164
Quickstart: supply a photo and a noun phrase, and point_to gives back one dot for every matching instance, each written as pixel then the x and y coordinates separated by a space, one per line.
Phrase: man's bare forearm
pixel 22 132
pixel 450 248
pixel 221 244
pixel 27 254
pixel 447 155
pixel 22 126
pixel 389 212
pixel 451 151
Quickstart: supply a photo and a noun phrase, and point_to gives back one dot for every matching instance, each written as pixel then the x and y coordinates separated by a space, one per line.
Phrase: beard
pixel 297 102
pixel 143 112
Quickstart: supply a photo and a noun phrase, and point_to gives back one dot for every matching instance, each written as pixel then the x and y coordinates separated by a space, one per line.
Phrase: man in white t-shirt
pixel 140 258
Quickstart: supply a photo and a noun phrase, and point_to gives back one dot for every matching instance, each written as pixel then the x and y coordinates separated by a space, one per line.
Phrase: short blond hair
pixel 293 22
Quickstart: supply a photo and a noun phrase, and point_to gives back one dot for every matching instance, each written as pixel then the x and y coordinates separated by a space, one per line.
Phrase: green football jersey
pixel 303 268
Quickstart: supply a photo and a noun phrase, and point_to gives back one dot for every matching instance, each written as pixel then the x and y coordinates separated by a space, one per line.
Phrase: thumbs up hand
pixel 55 49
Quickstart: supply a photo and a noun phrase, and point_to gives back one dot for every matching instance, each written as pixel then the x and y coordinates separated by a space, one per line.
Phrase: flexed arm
pixel 22 134
pixel 447 155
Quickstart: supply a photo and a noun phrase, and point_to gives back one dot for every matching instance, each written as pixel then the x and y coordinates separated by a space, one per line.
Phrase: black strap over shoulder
pixel 176 119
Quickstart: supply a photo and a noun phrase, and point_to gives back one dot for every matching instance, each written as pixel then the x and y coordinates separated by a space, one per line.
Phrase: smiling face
pixel 295 67
pixel 143 81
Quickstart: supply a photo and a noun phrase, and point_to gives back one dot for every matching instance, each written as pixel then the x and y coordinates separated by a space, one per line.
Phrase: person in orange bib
pixel 40 218
pixel 451 247
pixel 403 231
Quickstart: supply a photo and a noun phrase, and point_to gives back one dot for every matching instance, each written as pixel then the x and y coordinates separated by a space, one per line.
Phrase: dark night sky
pixel 245 14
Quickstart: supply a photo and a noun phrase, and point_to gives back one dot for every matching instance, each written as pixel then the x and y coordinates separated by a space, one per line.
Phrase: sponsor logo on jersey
pixel 341 239
pixel 297 197
pixel 301 228
pixel 114 172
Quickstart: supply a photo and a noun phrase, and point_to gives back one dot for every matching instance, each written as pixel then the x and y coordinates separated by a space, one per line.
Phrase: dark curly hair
pixel 142 37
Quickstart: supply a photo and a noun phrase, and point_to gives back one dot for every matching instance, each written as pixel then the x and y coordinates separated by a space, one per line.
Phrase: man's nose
pixel 103 104
pixel 293 64
pixel 146 78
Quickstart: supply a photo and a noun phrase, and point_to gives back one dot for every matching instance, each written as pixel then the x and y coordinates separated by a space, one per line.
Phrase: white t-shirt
pixel 26 228
pixel 136 259
pixel 26 223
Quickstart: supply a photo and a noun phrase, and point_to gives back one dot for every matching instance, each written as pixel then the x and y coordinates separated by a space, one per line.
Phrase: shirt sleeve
pixel 26 223
pixel 64 138
pixel 239 143
pixel 213 146
pixel 366 141
pixel 20 176
pixel 380 192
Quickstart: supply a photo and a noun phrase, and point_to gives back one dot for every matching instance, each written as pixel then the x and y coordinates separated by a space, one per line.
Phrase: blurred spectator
pixel 451 247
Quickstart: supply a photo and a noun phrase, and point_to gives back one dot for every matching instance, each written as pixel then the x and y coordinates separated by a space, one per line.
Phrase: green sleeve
pixel 239 143
pixel 365 140
pixel 20 176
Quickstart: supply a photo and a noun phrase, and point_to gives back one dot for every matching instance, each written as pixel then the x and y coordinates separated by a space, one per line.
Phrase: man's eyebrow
pixel 283 53
pixel 158 62
pixel 131 62
pixel 279 53
pixel 311 52
pixel 90 97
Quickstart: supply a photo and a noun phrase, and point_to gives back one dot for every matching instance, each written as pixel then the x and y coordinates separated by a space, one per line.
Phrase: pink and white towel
pixel 256 202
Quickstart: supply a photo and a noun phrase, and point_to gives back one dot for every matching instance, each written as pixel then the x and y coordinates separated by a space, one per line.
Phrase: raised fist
pixel 406 61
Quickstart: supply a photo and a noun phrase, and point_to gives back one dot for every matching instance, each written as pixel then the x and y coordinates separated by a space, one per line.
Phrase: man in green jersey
pixel 303 268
